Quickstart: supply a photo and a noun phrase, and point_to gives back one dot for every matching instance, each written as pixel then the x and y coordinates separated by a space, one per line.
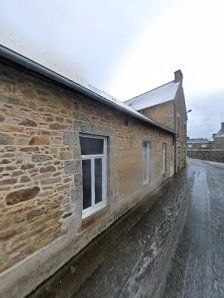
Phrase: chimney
pixel 178 76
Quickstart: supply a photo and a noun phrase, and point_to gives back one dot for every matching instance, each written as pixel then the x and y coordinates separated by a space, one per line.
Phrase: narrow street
pixel 198 265
pixel 173 249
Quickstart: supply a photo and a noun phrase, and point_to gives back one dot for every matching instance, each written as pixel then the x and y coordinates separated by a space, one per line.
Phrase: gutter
pixel 31 65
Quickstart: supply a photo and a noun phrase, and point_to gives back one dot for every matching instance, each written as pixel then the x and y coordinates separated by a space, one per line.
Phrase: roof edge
pixel 129 100
pixel 158 104
pixel 31 65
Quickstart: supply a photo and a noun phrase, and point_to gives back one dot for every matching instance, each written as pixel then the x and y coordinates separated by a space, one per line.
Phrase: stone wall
pixel 218 143
pixel 40 174
pixel 161 113
pixel 165 114
pixel 211 155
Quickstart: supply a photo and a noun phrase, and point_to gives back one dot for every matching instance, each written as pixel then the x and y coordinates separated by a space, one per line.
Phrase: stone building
pixel 202 148
pixel 166 104
pixel 218 138
pixel 73 160
pixel 198 143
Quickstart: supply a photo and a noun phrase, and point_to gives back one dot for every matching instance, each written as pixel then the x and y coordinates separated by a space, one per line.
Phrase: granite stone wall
pixel 40 174
pixel 162 113
pixel 209 154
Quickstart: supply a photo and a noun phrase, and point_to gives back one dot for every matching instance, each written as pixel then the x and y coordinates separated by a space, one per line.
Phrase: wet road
pixel 198 264
pixel 133 258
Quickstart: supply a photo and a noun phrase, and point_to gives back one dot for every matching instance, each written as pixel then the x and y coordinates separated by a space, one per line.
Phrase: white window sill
pixel 90 211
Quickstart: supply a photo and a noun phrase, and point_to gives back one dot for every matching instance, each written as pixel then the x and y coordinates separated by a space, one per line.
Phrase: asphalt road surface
pixel 198 264
pixel 133 258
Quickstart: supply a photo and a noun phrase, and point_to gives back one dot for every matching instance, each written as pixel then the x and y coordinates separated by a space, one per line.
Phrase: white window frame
pixel 96 207
pixel 147 162
pixel 164 158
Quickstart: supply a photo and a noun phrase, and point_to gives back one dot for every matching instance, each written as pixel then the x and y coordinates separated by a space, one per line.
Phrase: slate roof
pixel 198 141
pixel 153 97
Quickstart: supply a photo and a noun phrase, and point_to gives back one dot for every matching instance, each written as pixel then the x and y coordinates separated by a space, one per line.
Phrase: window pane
pixel 98 180
pixel 91 146
pixel 86 183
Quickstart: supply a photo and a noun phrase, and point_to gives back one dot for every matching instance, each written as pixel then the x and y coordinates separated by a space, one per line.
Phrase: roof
pixel 198 141
pixel 153 97
pixel 95 94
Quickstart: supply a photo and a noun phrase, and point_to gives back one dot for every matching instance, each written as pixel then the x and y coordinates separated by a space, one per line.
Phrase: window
pixel 93 154
pixel 204 146
pixel 189 145
pixel 178 124
pixel 146 160
pixel 164 166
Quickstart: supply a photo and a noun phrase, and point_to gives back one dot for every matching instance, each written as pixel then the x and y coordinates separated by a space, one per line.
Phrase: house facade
pixel 202 148
pixel 203 143
pixel 198 143
pixel 166 105
pixel 73 160
pixel 218 138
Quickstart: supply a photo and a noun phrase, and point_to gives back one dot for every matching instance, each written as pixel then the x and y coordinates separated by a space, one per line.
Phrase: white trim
pixel 104 173
pixel 92 182
pixel 91 210
pixel 92 156
pixel 96 207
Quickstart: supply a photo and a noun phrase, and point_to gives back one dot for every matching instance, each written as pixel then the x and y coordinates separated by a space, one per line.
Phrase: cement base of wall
pixel 211 155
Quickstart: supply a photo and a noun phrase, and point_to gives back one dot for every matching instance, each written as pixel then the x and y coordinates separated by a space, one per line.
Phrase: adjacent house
pixel 166 104
pixel 218 137
pixel 73 160
pixel 203 143
pixel 198 143
pixel 202 148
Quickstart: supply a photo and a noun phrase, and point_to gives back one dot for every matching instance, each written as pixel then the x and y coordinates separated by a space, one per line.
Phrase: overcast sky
pixel 127 47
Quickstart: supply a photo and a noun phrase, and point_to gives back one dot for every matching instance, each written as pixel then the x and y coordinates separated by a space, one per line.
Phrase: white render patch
pixel 153 97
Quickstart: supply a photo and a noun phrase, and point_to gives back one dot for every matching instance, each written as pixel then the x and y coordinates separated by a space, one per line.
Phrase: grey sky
pixel 127 47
